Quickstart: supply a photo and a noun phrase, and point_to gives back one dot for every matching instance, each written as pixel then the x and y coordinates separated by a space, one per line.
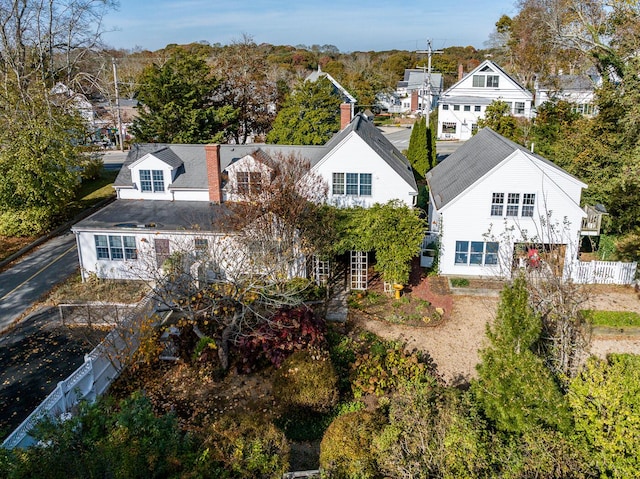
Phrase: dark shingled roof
pixel 159 216
pixel 470 162
pixel 379 143
pixel 192 172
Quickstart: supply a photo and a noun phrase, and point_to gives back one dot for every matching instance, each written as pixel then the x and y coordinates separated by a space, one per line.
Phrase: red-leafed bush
pixel 287 331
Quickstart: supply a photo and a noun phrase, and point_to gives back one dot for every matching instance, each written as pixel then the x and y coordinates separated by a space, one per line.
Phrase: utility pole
pixel 115 81
pixel 427 79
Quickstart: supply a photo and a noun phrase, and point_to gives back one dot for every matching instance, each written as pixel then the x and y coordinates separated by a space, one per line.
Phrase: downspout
pixel 80 256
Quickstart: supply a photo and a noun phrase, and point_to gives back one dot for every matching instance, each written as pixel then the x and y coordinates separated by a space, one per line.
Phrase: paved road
pixel 35 274
pixel 399 137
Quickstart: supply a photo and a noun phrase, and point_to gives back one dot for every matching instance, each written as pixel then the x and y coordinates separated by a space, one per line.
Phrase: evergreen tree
pixel 310 115
pixel 417 153
pixel 178 102
pixel 517 391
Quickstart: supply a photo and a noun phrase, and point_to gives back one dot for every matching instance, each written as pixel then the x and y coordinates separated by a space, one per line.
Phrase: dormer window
pixel 249 181
pixel 152 181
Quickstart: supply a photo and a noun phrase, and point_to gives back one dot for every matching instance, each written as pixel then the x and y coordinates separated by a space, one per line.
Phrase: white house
pixel 494 205
pixel 579 90
pixel 463 104
pixel 415 92
pixel 171 196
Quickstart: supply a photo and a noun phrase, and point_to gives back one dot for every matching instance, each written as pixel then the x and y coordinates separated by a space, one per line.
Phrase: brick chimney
pixel 460 71
pixel 214 177
pixel 414 100
pixel 345 115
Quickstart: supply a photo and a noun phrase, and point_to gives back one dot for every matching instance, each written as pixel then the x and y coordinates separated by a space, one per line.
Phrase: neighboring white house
pixel 346 97
pixel 462 105
pixel 579 90
pixel 176 195
pixel 494 205
pixel 414 92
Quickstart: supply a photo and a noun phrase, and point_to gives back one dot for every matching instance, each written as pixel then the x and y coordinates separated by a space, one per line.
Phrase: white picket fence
pixel 603 272
pixel 100 368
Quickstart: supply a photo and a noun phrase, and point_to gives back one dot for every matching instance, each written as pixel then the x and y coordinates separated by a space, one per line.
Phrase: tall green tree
pixel 309 116
pixel 39 159
pixel 514 387
pixel 417 153
pixel 178 102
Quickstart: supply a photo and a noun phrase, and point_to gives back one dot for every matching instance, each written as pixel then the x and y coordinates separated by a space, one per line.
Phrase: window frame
pixel 478 81
pixel 528 205
pixel 519 107
pixel 476 253
pixel 151 181
pixel 497 204
pixel 116 247
pixel 351 184
pixel 493 81
pixel 449 127
pixel 513 204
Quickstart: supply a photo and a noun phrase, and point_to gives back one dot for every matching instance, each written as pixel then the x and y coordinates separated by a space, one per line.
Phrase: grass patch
pixel 92 191
pixel 108 290
pixel 613 319
pixel 459 282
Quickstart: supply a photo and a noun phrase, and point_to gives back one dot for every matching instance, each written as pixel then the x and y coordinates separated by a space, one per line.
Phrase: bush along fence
pixel 100 368
pixel 603 272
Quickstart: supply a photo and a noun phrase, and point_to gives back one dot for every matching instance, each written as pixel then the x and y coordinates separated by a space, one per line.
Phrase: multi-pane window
pixel 476 253
pixel 152 181
pixel 497 204
pixel 474 128
pixel 448 127
pixel 478 81
pixel 492 81
pixel 528 203
pixel 513 204
pixel 456 107
pixel 462 252
pixel 467 108
pixel 201 245
pixel 353 184
pixel 445 107
pixel 249 181
pixel 337 187
pixel 116 247
pixel 477 108
pixel 519 108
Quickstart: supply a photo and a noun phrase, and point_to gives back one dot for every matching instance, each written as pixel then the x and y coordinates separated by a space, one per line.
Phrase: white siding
pixel 468 217
pixel 355 156
pixel 149 163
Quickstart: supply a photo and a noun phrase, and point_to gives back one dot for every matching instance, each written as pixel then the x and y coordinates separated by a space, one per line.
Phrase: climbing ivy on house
pixel 393 230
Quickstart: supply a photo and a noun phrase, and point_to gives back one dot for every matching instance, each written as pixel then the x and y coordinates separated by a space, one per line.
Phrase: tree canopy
pixel 178 102
pixel 310 115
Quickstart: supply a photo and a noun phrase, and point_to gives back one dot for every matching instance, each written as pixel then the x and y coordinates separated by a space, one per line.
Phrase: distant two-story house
pixel 175 196
pixel 494 206
pixel 463 104
pixel 416 92
pixel 578 90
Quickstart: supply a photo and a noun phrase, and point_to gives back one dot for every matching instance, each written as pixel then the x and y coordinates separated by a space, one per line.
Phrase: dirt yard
pixel 454 343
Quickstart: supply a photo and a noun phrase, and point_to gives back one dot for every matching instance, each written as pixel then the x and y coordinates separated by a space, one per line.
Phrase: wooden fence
pixel 100 368
pixel 602 272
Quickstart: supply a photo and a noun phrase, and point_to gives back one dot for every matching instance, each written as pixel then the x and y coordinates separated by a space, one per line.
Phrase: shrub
pixel 25 222
pixel 307 380
pixel 287 331
pixel 346 450
pixel 92 168
pixel 380 366
pixel 248 446
pixel 459 282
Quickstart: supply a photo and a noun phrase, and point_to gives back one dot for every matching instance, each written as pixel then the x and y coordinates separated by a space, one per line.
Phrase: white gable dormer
pixel 152 176
pixel 246 176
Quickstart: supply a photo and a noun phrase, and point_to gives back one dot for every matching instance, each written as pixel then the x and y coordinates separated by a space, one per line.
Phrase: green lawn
pixel 92 191
pixel 613 319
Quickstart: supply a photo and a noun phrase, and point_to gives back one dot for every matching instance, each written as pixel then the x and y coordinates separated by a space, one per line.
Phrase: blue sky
pixel 366 25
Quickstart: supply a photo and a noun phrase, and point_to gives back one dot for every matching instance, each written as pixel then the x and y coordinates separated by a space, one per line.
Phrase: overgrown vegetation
pixel 613 319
